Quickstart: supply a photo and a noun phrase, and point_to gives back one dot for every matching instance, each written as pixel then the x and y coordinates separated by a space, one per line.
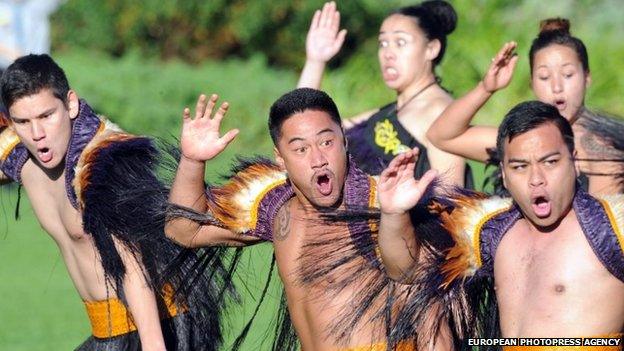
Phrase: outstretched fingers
pixel 221 112
pixel 227 138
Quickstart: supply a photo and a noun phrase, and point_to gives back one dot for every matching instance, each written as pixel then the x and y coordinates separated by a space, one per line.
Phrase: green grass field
pixel 39 308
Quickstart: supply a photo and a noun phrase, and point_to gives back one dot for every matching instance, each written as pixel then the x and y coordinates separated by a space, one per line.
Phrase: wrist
pixel 393 213
pixel 484 90
pixel 190 162
pixel 315 63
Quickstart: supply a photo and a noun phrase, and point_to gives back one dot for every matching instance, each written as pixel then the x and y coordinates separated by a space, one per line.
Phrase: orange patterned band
pixel 110 317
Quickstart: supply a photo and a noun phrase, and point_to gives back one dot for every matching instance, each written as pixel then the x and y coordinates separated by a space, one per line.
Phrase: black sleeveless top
pixel 376 141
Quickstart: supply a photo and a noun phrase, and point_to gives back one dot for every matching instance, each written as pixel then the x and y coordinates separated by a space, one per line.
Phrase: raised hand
pixel 501 69
pixel 324 40
pixel 398 190
pixel 201 140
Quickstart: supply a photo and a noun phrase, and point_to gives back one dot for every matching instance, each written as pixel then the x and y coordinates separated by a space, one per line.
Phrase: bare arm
pixel 398 193
pixel 453 167
pixel 452 132
pixel 323 42
pixel 141 302
pixel 200 141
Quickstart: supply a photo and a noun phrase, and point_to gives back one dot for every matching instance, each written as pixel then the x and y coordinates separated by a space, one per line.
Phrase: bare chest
pixel 552 264
pixel 51 205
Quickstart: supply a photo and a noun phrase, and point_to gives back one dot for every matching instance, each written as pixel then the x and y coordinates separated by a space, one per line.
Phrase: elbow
pixel 434 137
pixel 179 235
pixel 399 275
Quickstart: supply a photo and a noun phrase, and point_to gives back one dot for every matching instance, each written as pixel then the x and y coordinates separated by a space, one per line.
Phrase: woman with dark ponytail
pixel 560 76
pixel 412 42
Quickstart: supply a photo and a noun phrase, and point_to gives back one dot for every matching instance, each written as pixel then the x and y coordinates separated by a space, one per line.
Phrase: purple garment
pixel 84 128
pixel 592 218
pixel 356 193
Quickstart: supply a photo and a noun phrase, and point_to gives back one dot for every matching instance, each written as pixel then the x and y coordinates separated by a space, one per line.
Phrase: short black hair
pixel 530 115
pixel 436 18
pixel 31 74
pixel 298 101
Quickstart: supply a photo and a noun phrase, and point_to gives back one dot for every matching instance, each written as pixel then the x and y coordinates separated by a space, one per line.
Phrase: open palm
pixel 398 190
pixel 502 68
pixel 324 40
pixel 200 139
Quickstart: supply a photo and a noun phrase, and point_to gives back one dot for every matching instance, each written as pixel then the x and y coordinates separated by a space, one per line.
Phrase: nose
pixel 37 130
pixel 556 85
pixel 388 53
pixel 318 158
pixel 537 177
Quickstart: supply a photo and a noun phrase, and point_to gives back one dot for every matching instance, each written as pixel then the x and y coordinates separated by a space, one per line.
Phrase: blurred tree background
pixel 141 62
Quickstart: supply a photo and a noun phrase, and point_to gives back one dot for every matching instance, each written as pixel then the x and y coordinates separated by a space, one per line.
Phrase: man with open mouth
pixel 546 263
pixel 75 167
pixel 283 202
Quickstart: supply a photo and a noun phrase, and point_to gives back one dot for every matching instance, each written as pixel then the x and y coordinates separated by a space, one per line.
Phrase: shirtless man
pixel 553 252
pixel 309 145
pixel 41 144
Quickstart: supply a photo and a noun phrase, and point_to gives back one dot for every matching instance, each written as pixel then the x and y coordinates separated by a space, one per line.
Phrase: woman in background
pixel 560 76
pixel 412 42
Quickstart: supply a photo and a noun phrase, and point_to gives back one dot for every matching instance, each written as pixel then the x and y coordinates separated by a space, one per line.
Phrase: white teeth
pixel 391 70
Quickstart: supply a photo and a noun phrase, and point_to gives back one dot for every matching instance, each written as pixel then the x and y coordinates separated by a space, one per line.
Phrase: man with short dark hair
pixel 75 168
pixel 553 252
pixel 283 203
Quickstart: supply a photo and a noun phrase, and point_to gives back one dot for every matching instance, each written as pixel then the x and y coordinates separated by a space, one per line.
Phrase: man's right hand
pixel 398 190
pixel 324 40
pixel 200 140
pixel 501 69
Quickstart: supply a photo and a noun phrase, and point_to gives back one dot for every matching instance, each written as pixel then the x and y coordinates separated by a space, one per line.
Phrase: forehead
pixel 33 105
pixel 556 55
pixel 399 23
pixel 536 142
pixel 307 124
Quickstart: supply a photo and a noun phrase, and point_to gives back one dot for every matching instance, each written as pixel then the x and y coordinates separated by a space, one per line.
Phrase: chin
pixel 329 201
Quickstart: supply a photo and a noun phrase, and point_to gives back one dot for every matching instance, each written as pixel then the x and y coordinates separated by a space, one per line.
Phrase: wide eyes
pixel 400 42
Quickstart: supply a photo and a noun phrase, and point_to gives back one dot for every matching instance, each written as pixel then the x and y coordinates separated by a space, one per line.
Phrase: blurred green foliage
pixel 250 53
pixel 197 29
pixel 273 32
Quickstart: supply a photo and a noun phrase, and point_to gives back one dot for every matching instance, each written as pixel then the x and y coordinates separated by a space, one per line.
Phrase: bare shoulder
pixel 418 118
pixel 281 222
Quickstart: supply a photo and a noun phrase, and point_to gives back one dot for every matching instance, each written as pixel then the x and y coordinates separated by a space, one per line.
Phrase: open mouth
pixel 390 73
pixel 44 154
pixel 560 104
pixel 324 183
pixel 541 206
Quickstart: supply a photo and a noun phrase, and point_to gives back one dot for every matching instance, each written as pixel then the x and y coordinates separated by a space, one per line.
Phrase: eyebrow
pixel 48 111
pixel 396 32
pixel 295 139
pixel 326 130
pixel 565 64
pixel 554 153
pixel 519 160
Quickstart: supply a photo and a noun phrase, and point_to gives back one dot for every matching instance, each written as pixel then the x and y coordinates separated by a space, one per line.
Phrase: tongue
pixel 45 156
pixel 324 186
pixel 541 208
